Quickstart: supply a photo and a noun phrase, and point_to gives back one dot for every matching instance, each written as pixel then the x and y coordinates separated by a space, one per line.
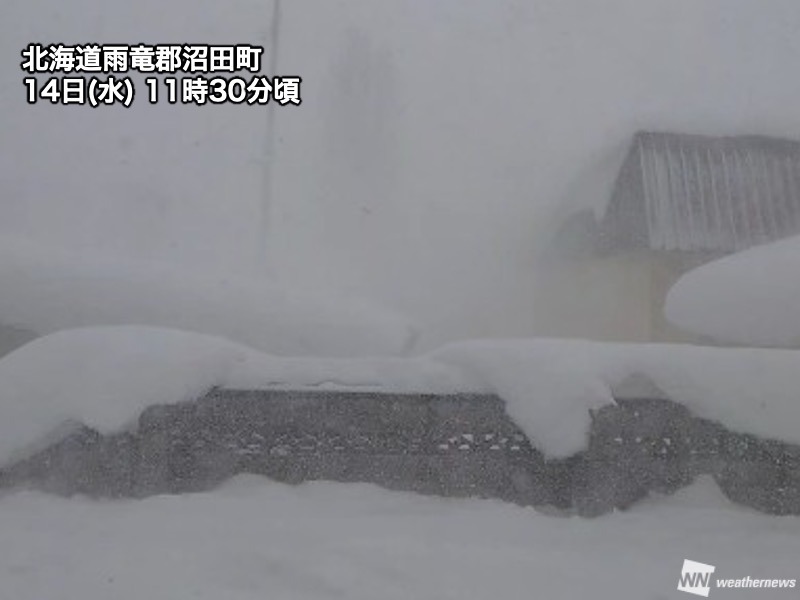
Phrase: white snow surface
pixel 750 298
pixel 104 377
pixel 253 539
pixel 51 289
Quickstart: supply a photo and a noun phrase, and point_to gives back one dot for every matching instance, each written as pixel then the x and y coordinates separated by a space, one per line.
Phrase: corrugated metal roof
pixel 697 193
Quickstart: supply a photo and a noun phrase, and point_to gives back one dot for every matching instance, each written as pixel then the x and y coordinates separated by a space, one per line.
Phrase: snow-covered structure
pixel 680 201
pixel 48 289
pixel 693 193
pixel 751 298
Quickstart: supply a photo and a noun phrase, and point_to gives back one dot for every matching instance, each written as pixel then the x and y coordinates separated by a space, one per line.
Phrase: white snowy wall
pixel 437 141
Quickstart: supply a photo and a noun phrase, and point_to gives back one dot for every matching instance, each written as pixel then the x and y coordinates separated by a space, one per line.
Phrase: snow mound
pixel 47 290
pixel 749 298
pixel 549 386
pixel 105 377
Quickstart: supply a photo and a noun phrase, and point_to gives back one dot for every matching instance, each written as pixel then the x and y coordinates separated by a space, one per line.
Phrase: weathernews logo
pixel 696 579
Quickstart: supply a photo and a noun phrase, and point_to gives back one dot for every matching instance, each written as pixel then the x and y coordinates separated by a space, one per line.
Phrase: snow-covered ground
pixel 750 298
pixel 106 376
pixel 254 539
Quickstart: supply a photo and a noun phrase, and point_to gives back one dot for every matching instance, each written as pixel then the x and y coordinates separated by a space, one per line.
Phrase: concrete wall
pixel 605 299
pixel 615 298
pixel 455 446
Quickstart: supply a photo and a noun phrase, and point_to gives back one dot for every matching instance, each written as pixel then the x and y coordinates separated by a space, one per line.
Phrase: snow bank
pixel 105 377
pixel 550 385
pixel 749 298
pixel 254 539
pixel 47 290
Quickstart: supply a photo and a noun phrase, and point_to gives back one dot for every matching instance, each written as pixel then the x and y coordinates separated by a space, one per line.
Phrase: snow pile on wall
pixel 46 290
pixel 550 385
pixel 105 377
pixel 749 298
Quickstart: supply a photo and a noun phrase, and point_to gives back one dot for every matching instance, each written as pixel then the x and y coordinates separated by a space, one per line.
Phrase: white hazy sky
pixel 437 143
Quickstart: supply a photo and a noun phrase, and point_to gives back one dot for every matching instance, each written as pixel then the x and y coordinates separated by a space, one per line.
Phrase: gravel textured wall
pixel 463 445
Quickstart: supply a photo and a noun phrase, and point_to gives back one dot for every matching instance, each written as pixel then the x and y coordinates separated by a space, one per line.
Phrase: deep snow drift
pixel 749 298
pixel 254 539
pixel 50 289
pixel 105 377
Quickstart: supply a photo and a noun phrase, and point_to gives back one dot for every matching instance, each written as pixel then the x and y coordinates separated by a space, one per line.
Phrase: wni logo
pixel 696 578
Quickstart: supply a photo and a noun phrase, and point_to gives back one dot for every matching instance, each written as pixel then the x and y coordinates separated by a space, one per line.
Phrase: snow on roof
pixel 697 193
pixel 750 298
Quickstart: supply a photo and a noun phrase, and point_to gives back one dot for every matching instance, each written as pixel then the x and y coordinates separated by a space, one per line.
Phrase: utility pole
pixel 270 143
